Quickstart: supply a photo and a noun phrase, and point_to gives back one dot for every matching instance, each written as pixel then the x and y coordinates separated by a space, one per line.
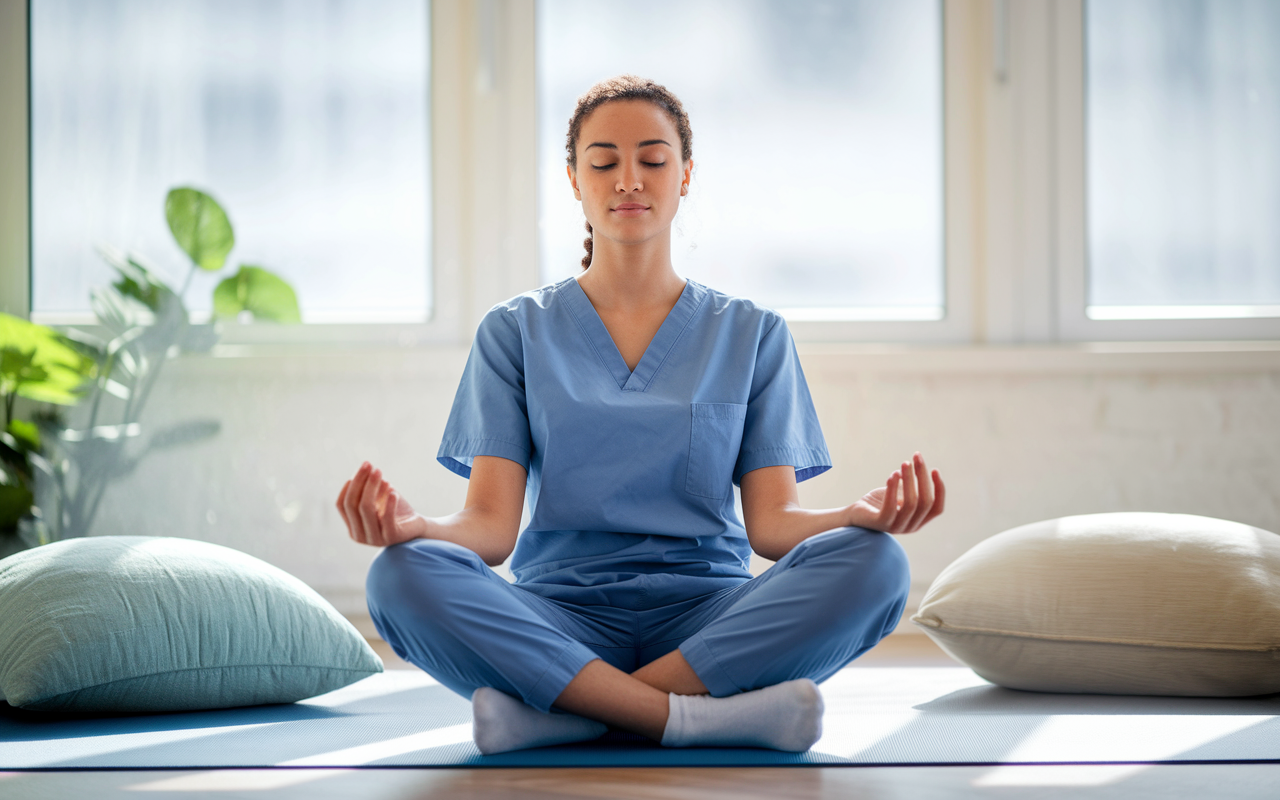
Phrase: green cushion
pixel 118 624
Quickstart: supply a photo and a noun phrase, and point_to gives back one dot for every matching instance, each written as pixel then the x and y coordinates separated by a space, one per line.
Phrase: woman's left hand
pixel 910 498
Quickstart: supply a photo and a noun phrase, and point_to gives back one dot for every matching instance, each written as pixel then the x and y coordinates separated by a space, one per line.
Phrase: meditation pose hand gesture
pixel 917 497
pixel 624 404
pixel 375 513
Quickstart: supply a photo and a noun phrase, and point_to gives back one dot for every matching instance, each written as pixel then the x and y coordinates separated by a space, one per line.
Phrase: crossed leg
pixel 831 598
pixel 638 702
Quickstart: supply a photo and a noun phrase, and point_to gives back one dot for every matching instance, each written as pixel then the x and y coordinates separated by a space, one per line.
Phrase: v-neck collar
pixel 659 348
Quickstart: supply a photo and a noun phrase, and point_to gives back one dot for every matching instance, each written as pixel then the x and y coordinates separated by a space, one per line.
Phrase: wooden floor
pixel 1118 782
pixel 1167 782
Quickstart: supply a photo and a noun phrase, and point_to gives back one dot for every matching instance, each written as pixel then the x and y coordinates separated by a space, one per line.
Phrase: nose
pixel 629 179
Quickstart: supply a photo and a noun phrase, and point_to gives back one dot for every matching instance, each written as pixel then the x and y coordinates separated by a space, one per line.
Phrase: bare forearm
pixel 776 523
pixel 774 532
pixel 480 530
pixel 377 515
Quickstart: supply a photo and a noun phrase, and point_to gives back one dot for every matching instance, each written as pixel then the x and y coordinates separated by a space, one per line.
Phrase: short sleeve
pixel 781 426
pixel 489 415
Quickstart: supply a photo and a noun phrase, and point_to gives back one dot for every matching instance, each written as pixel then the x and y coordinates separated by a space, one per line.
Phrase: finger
pixel 389 519
pixel 939 497
pixel 369 507
pixel 909 496
pixel 353 502
pixel 889 511
pixel 384 492
pixel 341 504
pixel 925 488
pixel 378 535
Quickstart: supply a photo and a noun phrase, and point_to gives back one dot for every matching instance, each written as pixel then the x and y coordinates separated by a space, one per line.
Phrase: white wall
pixel 1020 434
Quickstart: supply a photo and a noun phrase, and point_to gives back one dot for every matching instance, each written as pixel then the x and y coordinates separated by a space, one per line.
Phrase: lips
pixel 630 209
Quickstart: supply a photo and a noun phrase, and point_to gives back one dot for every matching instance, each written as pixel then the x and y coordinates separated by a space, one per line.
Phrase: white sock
pixel 787 716
pixel 501 722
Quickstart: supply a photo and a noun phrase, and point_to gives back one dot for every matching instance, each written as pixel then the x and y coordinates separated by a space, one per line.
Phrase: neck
pixel 631 276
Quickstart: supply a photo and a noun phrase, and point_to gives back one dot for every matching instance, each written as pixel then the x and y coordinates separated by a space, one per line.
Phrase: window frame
pixel 960 83
pixel 453 43
pixel 960 90
pixel 1015 266
pixel 1073 276
pixel 15 225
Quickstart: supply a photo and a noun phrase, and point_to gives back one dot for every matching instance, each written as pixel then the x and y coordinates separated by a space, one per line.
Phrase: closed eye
pixel 603 167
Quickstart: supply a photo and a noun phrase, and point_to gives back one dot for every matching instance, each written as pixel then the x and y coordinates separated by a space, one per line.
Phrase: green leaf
pixel 65 390
pixel 148 295
pixel 133 280
pixel 200 226
pixel 25 433
pixel 15 503
pixel 17 370
pixel 169 327
pixel 119 313
pixel 15 365
pixel 137 279
pixel 264 294
pixel 37 363
pixel 14 455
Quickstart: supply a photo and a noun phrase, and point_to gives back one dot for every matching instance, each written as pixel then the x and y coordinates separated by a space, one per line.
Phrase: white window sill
pixel 446 360
pixel 1083 357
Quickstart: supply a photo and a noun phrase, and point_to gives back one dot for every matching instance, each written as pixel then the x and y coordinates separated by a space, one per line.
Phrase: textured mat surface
pixel 901 715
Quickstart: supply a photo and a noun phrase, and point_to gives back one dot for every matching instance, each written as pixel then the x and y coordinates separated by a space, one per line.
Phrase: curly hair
pixel 625 87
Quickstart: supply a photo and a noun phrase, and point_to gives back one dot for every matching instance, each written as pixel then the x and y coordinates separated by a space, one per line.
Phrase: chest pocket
pixel 713 448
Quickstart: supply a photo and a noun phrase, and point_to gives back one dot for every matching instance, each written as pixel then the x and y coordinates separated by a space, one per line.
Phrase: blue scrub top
pixel 630 472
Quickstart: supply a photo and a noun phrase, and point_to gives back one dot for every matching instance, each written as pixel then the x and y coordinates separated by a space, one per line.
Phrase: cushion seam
pixel 197 669
pixel 1259 647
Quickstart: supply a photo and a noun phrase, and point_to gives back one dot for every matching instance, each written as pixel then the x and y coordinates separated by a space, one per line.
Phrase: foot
pixel 501 723
pixel 787 716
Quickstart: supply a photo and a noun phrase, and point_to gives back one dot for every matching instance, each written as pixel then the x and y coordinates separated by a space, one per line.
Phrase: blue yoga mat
pixel 875 716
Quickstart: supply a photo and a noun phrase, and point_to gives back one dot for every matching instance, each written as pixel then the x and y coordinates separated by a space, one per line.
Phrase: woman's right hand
pixel 375 513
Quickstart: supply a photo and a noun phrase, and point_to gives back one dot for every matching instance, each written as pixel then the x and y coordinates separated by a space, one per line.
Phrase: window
pixel 936 170
pixel 818 144
pixel 1183 159
pixel 307 121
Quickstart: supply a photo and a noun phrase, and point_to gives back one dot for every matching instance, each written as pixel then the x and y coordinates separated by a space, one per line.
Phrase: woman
pixel 624 402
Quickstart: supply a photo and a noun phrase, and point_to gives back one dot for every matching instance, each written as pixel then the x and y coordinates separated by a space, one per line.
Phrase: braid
pixel 626 87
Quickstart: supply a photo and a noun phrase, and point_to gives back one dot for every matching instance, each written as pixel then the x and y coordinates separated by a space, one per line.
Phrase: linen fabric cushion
pixel 118 624
pixel 1127 603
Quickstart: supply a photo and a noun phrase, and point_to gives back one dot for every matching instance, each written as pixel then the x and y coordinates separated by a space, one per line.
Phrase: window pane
pixel 307 121
pixel 1183 142
pixel 817 143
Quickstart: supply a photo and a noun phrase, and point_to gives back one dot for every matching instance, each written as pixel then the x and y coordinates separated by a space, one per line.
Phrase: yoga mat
pixel 875 716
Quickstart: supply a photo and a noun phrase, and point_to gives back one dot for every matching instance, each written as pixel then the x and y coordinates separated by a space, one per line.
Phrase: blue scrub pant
pixel 833 597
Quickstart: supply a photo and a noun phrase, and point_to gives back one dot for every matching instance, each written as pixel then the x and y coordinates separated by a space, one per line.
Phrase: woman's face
pixel 629 177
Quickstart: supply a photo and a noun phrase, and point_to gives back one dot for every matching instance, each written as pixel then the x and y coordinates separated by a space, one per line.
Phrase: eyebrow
pixel 612 146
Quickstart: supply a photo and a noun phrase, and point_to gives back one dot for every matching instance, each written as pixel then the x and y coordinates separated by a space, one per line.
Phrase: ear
pixel 688 174
pixel 573 181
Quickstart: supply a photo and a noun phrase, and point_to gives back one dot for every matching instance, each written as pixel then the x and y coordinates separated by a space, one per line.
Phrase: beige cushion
pixel 1133 603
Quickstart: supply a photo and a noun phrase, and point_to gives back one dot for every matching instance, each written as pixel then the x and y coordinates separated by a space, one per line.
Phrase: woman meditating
pixel 622 405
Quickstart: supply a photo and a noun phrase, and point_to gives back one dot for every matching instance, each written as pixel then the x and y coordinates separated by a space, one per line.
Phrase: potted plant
pixel 38 364
pixel 110 371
